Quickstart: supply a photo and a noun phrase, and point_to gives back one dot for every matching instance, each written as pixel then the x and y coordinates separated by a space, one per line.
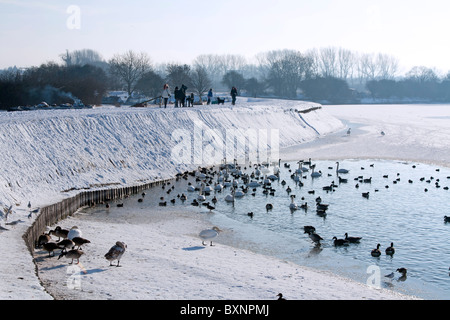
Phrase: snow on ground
pixel 48 152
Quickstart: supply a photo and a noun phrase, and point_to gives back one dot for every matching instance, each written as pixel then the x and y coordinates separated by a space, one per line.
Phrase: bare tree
pixel 200 81
pixel 388 66
pixel 129 68
pixel 178 74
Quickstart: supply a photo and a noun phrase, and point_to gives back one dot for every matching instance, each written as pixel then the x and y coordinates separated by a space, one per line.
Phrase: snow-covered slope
pixel 48 152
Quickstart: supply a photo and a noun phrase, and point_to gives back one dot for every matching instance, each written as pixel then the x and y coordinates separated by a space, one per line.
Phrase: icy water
pixel 406 205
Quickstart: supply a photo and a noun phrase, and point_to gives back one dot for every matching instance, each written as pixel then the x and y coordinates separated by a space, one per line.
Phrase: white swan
pixel 230 197
pixel 74 232
pixel 209 234
pixel 293 205
pixel 201 196
pixel 340 170
pixel 315 174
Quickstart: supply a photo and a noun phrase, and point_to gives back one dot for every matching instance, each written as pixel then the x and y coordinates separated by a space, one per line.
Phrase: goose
pixel 376 252
pixel 309 229
pixel 72 254
pixel 183 197
pixel 116 252
pixel 365 195
pixel 74 232
pixel 390 250
pixel 43 238
pixel 250 214
pixel 304 206
pixel 59 232
pixel 78 241
pixel 403 272
pixel 50 247
pixel 66 243
pixel 315 237
pixel 446 219
pixel 280 296
pixel 340 242
pixel 269 206
pixel 340 170
pixel 352 239
pixel 209 234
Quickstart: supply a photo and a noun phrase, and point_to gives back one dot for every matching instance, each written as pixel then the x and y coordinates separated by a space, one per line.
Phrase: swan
pixel 239 194
pixel 74 232
pixel 315 174
pixel 340 170
pixel 293 205
pixel 230 197
pixel 209 234
pixel 116 252
pixel 201 196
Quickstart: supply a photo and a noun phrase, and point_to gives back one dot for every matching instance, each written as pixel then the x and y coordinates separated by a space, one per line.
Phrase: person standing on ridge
pixel 165 94
pixel 233 95
pixel 177 97
pixel 210 95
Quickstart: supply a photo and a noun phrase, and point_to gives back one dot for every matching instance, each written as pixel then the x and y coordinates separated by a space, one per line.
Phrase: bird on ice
pixel 209 234
pixel 116 252
pixel 74 232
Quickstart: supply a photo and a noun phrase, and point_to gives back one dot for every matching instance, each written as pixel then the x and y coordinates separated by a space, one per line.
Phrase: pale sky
pixel 34 32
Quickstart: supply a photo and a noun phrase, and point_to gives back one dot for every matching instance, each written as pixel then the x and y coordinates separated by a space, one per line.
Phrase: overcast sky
pixel 414 31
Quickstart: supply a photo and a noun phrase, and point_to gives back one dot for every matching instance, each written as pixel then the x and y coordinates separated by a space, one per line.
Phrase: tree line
pixel 333 75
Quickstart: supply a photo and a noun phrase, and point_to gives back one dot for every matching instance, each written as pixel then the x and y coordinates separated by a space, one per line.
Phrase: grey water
pixel 406 206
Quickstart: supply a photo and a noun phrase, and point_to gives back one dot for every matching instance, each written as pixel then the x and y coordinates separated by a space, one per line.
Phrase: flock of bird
pixel 70 243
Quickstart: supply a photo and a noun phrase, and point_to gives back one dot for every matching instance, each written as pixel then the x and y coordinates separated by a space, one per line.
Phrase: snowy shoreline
pixel 29 287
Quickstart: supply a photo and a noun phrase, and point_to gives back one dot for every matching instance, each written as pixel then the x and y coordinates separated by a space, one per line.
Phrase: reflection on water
pixel 404 204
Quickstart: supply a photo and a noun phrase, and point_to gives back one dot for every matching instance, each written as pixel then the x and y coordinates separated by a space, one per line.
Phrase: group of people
pixel 181 98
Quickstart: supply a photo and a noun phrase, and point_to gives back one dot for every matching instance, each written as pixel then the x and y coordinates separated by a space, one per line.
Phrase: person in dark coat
pixel 233 95
pixel 177 96
pixel 183 95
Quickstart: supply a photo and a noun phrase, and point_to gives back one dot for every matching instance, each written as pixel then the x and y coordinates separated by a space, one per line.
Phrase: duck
pixel 66 243
pixel 116 252
pixel 72 254
pixel 50 247
pixel 352 239
pixel 340 242
pixel 446 219
pixel 390 250
pixel 376 252
pixel 250 214
pixel 74 232
pixel 269 206
pixel 78 241
pixel 209 234
pixel 403 272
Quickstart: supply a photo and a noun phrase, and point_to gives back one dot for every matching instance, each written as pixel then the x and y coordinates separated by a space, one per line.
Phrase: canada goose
pixel 209 234
pixel 269 206
pixel 50 247
pixel 376 252
pixel 352 239
pixel 74 232
pixel 78 241
pixel 43 238
pixel 446 219
pixel 250 214
pixel 64 244
pixel 340 170
pixel 403 272
pixel 72 254
pixel 309 229
pixel 315 237
pixel 390 250
pixel 365 195
pixel 340 242
pixel 59 232
pixel 280 296
pixel 116 252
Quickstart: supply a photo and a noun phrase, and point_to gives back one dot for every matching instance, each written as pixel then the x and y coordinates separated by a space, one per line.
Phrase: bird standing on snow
pixel 72 254
pixel 74 232
pixel 209 234
pixel 116 252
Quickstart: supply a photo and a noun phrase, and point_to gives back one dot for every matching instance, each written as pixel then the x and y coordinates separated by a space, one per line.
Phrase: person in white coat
pixel 165 94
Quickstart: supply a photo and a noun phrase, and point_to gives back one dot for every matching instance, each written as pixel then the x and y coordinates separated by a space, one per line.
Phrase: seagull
pixel 390 275
pixel 209 234
pixel 116 252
